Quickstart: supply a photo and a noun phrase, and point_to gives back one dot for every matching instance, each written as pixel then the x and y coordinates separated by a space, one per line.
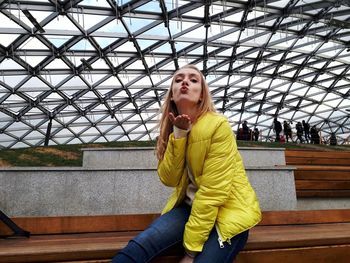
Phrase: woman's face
pixel 186 88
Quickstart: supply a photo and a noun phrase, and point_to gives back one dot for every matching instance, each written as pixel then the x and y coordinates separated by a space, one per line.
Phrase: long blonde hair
pixel 166 128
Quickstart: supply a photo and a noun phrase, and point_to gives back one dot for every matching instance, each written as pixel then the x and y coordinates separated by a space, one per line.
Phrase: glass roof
pixel 75 71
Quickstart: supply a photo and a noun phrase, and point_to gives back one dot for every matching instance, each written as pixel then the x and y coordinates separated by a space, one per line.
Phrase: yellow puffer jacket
pixel 224 196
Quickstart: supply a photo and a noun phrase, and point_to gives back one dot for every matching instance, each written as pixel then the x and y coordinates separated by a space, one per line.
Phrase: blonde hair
pixel 165 126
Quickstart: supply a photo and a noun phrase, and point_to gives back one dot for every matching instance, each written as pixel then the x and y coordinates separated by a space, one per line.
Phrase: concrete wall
pixel 65 191
pixel 145 157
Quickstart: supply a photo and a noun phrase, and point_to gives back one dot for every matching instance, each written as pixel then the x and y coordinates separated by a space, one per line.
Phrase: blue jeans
pixel 167 231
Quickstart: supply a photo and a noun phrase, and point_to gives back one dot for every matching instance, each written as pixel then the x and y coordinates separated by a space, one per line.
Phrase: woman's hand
pixel 183 122
pixel 186 259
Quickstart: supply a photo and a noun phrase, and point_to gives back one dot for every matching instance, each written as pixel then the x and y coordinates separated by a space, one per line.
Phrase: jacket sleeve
pixel 171 167
pixel 214 188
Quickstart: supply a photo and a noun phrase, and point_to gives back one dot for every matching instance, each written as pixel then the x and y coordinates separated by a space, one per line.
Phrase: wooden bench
pixel 311 157
pixel 282 236
pixel 320 173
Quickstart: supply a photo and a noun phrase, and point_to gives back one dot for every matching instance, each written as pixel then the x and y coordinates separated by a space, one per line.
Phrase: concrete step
pixel 64 191
pixel 144 157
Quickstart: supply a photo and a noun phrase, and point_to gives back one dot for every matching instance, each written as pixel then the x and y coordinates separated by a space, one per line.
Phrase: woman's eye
pixel 178 80
pixel 194 80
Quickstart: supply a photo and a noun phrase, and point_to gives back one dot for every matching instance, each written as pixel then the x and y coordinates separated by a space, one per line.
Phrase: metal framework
pixel 76 71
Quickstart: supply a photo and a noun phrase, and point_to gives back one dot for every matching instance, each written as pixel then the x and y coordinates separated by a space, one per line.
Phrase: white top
pixel 192 187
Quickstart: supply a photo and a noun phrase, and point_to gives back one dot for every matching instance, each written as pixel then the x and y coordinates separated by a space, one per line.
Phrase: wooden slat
pixel 318 154
pixel 309 157
pixel 82 224
pixel 305 217
pixel 321 254
pixel 111 223
pixel 323 193
pixel 316 161
pixel 322 185
pixel 323 168
pixel 105 245
pixel 321 175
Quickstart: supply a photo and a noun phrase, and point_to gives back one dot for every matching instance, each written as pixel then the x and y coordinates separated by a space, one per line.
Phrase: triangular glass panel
pixel 74 84
pixel 195 34
pixel 197 51
pixel 33 61
pixel 4 20
pixel 7 64
pixel 137 65
pixel 33 44
pixel 145 43
pixel 96 3
pixel 152 60
pixel 116 27
pixel 236 17
pixel 152 7
pixel 169 66
pixel 12 81
pixel 7 39
pixel 62 23
pixel 52 78
pixel 87 21
pixel 83 45
pixel 116 59
pixel 77 60
pixel 126 77
pixel 100 64
pixel 32 95
pixel 198 12
pixel 34 82
pixel 126 47
pixel 143 82
pixel 56 64
pixel 135 24
pixel 104 41
pixel 15 100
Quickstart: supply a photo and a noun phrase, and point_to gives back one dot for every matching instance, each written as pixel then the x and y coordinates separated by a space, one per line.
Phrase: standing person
pixel 277 127
pixel 306 127
pixel 256 134
pixel 246 131
pixel 333 139
pixel 315 137
pixel 287 130
pixel 299 128
pixel 213 205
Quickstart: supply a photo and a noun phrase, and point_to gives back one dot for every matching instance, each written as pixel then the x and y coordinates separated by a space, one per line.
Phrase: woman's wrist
pixel 191 254
pixel 180 133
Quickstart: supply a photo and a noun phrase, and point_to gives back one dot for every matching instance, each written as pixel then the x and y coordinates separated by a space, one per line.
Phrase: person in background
pixel 300 130
pixel 287 130
pixel 277 127
pixel 256 134
pixel 246 131
pixel 333 139
pixel 315 137
pixel 213 205
pixel 306 128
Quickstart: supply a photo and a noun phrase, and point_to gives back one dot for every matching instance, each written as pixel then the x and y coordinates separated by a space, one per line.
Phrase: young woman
pixel 213 205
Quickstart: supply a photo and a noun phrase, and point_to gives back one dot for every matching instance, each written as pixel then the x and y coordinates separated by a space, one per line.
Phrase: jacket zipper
pixel 220 240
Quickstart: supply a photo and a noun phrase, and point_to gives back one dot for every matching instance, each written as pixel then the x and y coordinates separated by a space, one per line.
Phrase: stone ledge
pixel 48 191
pixel 144 157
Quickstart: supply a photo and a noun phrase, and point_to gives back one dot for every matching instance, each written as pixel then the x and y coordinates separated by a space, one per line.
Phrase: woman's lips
pixel 184 89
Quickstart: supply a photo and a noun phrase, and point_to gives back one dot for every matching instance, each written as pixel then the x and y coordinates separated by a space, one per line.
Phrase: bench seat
pixel 322 181
pixel 311 157
pixel 288 236
pixel 95 246
pixel 324 174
